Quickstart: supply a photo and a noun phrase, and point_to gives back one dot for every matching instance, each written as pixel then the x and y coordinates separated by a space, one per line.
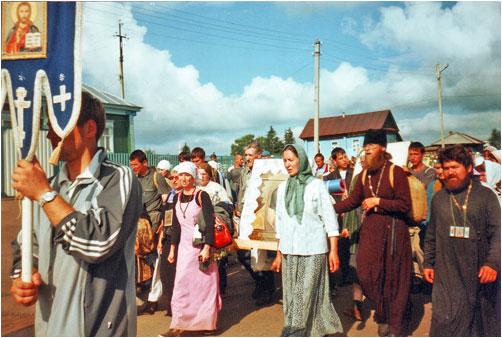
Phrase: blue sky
pixel 209 72
pixel 233 42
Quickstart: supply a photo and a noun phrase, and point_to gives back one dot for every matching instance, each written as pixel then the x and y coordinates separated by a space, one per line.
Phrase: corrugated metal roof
pixel 455 137
pixel 107 98
pixel 350 124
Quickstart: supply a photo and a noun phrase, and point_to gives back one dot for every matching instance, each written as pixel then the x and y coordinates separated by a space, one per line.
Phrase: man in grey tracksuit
pixel 84 237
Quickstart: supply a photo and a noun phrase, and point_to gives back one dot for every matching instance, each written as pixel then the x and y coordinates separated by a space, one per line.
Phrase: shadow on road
pixel 237 301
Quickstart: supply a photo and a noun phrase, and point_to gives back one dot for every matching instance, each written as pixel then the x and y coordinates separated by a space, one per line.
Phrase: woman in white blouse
pixel 305 224
pixel 216 191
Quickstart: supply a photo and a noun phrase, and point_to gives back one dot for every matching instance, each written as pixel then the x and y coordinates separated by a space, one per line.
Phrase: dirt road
pixel 239 316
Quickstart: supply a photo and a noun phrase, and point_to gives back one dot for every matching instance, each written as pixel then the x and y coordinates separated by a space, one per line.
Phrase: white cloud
pixel 429 124
pixel 178 108
pixel 466 36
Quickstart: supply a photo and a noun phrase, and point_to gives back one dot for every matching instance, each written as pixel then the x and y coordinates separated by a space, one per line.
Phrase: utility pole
pixel 439 70
pixel 121 59
pixel 317 62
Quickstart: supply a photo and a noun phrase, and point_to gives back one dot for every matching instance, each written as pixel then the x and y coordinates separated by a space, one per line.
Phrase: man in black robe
pixel 384 252
pixel 462 252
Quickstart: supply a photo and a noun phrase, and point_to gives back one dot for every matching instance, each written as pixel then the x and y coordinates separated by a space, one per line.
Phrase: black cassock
pixel 461 305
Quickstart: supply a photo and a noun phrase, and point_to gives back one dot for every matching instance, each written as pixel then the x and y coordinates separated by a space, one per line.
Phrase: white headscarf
pixel 164 165
pixel 187 167
pixel 495 152
pixel 492 173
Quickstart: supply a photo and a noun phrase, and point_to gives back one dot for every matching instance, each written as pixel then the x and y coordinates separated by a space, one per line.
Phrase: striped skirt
pixel 307 306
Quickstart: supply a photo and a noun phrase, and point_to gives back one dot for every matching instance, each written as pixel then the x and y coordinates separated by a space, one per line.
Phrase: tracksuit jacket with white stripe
pixel 87 261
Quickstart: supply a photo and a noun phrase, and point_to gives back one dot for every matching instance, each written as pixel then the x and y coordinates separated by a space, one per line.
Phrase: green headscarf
pixel 295 186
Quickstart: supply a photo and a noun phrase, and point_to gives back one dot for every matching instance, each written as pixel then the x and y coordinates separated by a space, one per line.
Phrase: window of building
pixel 356 146
pixel 106 140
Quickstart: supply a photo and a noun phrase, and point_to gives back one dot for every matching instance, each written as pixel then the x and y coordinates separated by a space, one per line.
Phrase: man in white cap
pixel 164 168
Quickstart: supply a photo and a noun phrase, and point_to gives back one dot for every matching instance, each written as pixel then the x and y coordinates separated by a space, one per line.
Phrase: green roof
pixel 109 99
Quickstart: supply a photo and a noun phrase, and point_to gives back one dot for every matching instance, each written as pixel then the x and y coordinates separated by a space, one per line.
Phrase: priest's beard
pixel 376 161
pixel 453 185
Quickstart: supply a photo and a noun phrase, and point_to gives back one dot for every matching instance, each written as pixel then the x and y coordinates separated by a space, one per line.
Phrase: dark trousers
pixel 167 273
pixel 345 273
pixel 264 280
pixel 222 271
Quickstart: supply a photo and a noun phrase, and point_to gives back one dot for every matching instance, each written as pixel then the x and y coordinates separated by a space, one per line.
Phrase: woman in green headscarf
pixel 305 224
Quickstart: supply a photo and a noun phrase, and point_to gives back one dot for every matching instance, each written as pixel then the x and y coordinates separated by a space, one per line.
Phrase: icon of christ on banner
pixel 24 30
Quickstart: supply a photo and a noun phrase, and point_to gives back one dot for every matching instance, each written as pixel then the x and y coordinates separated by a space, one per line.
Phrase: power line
pixel 219 36
pixel 431 101
pixel 307 38
pixel 205 42
pixel 219 27
pixel 233 31
pixel 376 64
pixel 331 59
pixel 295 34
pixel 298 70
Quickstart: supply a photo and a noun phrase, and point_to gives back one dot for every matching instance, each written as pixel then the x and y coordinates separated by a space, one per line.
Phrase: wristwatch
pixel 47 197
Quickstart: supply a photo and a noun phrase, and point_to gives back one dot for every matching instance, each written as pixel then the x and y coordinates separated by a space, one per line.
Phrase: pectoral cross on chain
pixel 21 105
pixel 62 97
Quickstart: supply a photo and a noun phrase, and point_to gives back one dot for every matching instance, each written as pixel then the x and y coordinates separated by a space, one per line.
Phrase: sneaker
pixel 149 308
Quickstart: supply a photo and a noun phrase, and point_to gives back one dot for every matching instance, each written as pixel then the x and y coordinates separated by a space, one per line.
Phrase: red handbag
pixel 222 236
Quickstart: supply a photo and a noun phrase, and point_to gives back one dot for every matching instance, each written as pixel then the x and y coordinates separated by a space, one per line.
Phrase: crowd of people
pixel 111 240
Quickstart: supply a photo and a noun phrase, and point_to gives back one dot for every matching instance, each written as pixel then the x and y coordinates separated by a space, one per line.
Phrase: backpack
pixel 418 196
pixel 223 225
pixel 144 238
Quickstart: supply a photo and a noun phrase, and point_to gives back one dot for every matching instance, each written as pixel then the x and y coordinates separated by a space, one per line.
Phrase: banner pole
pixel 27 236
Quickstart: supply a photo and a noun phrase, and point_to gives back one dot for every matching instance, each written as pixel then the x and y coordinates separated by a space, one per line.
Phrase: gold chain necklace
pixel 375 194
pixel 181 204
pixel 463 208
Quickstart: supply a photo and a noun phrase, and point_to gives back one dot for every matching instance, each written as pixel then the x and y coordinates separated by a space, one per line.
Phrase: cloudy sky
pixel 208 73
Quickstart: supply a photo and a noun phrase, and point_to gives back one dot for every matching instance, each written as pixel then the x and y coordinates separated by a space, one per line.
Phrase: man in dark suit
pixel 343 171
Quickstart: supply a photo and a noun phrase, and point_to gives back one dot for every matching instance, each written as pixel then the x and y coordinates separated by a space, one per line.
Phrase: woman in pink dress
pixel 196 299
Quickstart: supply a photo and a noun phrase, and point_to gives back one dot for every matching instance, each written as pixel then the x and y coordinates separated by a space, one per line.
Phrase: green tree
pixel 186 148
pixel 288 136
pixel 494 139
pixel 239 144
pixel 272 142
pixel 261 140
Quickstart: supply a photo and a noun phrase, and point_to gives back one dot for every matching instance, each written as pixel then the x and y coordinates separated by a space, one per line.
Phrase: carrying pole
pixel 317 61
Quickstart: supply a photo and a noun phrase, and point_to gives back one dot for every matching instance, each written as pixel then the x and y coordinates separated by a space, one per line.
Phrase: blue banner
pixel 41 56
